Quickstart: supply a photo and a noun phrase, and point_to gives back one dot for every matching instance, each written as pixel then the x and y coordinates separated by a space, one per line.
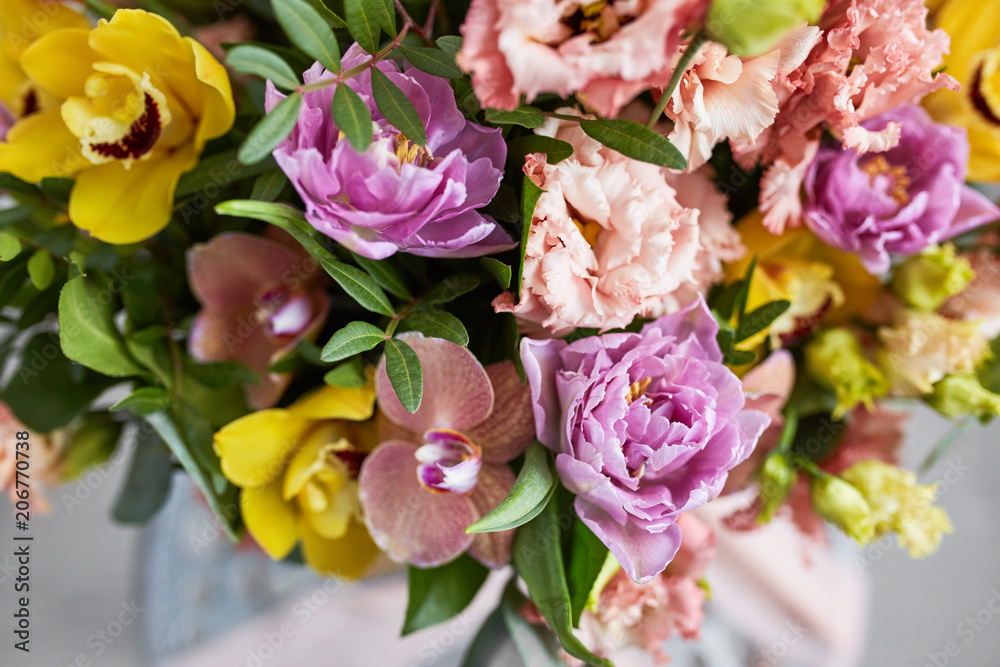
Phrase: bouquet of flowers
pixel 468 284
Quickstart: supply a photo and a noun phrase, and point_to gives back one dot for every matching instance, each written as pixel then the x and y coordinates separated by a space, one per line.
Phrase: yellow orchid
pixel 139 103
pixel 822 283
pixel 298 469
pixel 974 27
pixel 22 22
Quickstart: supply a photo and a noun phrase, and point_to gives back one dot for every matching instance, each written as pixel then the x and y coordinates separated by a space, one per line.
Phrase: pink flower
pixel 724 96
pixel 259 298
pixel 608 52
pixel 874 55
pixel 42 453
pixel 646 615
pixel 608 241
pixel 440 469
pixel 980 300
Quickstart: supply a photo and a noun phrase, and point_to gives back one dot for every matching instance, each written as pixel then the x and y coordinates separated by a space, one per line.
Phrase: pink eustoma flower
pixel 441 468
pixel 259 298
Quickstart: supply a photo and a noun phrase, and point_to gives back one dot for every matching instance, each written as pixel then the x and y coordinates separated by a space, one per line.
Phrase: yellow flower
pixel 21 23
pixel 900 505
pixel 843 505
pixel 974 27
pixel 927 280
pixel 298 469
pixel 836 359
pixel 822 283
pixel 961 395
pixel 139 103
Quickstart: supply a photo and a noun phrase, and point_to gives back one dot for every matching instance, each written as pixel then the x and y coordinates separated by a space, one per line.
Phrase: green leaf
pixel 530 494
pixel 396 108
pixel 491 641
pixel 352 117
pixel 353 339
pixel 9 216
pixel 363 24
pixel 743 293
pixel 254 60
pixel 538 558
pixel 348 374
pixel 57 188
pixel 450 43
pixel 635 141
pixel 12 276
pixel 91 444
pixel 449 289
pixel 385 14
pixel 500 271
pixel 220 374
pixel 218 171
pixel 407 378
pixel 586 561
pixel 530 195
pixel 556 150
pixel 528 117
pixel 40 269
pixel 535 643
pixel 383 273
pixel 192 446
pixel 147 484
pixel 10 247
pixel 269 185
pixel 87 331
pixel 144 401
pixel 359 286
pixel 308 31
pixel 331 18
pixel 438 324
pixel 437 594
pixel 271 130
pixel 760 318
pixel 433 61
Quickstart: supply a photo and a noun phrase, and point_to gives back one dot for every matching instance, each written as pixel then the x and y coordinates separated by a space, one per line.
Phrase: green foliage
pixel 635 141
pixel 403 368
pixel 530 494
pixel 439 593
pixel 352 117
pixel 397 108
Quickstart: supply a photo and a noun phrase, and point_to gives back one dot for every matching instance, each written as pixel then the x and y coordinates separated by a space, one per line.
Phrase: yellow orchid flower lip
pixel 135 103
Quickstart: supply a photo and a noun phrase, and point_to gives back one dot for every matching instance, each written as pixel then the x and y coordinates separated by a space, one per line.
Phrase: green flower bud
pixel 961 395
pixel 91 444
pixel 775 479
pixel 835 359
pixel 751 27
pixel 843 505
pixel 927 280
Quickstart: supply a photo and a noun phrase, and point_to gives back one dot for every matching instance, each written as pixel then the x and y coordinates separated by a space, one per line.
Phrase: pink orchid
pixel 259 298
pixel 441 468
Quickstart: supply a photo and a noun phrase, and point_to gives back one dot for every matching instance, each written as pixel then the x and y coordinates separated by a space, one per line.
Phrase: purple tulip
pixel 645 426
pixel 396 195
pixel 441 468
pixel 899 201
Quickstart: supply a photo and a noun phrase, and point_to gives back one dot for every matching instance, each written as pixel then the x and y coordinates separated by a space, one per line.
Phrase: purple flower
pixel 645 426
pixel 902 200
pixel 396 195
pixel 440 469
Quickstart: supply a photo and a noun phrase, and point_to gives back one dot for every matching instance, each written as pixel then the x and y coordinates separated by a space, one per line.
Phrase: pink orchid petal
pixel 769 385
pixel 457 390
pixel 232 268
pixel 408 522
pixel 511 426
pixel 495 482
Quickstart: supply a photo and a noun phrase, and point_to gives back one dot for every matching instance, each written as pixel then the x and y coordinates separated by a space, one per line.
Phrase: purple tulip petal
pixel 541 363
pixel 408 522
pixel 457 390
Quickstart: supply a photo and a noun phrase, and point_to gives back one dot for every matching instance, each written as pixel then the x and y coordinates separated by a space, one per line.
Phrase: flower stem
pixel 692 50
pixel 344 76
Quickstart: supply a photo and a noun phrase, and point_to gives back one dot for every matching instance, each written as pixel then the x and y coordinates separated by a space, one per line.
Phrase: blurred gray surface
pixel 934 612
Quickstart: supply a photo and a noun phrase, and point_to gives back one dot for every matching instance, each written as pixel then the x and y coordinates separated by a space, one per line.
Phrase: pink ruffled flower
pixel 608 240
pixel 724 96
pixel 608 52
pixel 259 298
pixel 980 300
pixel 43 453
pixel 441 468
pixel 875 55
pixel 646 615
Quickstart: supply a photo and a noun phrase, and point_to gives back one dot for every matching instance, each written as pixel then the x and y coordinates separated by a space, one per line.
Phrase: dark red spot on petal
pixel 979 100
pixel 352 460
pixel 140 139
pixel 30 105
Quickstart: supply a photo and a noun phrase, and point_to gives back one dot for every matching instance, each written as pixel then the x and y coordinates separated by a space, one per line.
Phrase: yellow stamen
pixel 408 152
pixel 637 389
pixel 879 166
pixel 590 231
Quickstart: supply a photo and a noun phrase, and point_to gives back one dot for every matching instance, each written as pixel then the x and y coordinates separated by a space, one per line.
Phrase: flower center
pixel 449 461
pixel 120 119
pixel 884 177
pixel 597 18
pixel 326 489
pixel 408 152
pixel 984 86
pixel 637 390
pixel 590 231
pixel 286 313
